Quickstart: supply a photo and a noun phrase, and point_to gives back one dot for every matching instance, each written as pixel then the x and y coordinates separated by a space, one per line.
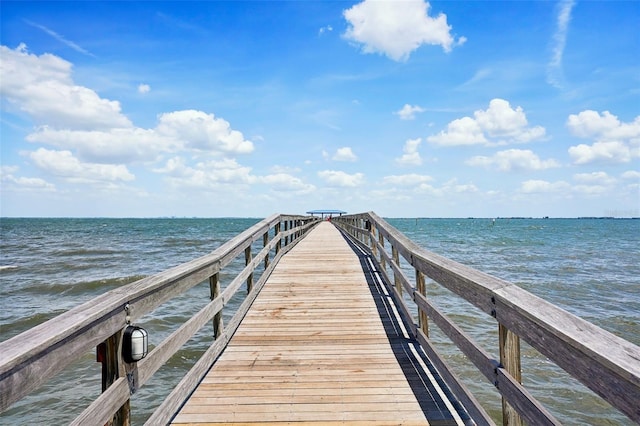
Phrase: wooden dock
pixel 321 343
pixel 333 328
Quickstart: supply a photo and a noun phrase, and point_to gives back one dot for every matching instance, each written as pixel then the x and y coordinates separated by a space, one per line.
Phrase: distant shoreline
pixel 260 218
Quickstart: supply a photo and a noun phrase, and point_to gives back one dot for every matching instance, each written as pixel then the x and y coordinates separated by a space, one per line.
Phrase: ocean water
pixel 589 267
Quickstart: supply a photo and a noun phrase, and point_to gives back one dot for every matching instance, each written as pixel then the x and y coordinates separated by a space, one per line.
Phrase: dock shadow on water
pixel 415 365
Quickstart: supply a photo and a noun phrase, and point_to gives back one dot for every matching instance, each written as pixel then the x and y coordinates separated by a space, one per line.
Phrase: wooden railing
pixel 33 357
pixel 605 363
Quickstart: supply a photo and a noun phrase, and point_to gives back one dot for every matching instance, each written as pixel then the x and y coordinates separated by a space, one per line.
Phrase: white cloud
pixel 396 29
pixel 207 175
pixel 605 126
pixel 513 160
pixel 327 28
pixel 63 164
pixel 461 131
pixel 189 130
pixel 277 169
pixel 408 112
pixel 631 174
pixel 410 180
pixel 287 183
pixel 225 173
pixel 9 181
pixel 411 156
pixel 614 141
pixel 42 87
pixel 453 186
pixel 77 119
pixel 499 124
pixel 344 154
pixel 595 178
pixel 107 146
pixel 144 88
pixel 200 131
pixel 543 186
pixel 554 67
pixel 60 38
pixel 614 152
pixel 341 179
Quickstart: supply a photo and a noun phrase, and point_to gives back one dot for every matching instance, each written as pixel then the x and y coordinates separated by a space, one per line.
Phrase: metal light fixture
pixel 135 344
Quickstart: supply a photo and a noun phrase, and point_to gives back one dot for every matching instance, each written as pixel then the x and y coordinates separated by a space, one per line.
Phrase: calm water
pixel 590 267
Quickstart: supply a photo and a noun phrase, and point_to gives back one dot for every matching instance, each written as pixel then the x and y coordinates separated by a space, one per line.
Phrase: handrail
pixel 36 355
pixel 605 363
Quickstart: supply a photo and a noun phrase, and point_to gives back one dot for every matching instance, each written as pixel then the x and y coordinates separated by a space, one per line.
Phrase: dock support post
pixel 510 360
pixel 112 369
pixel 247 260
pixel 214 286
pixel 423 319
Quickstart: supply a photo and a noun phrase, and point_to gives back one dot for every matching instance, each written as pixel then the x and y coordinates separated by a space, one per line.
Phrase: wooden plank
pixel 313 347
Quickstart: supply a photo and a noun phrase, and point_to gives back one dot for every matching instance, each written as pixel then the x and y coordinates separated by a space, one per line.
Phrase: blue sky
pixel 407 108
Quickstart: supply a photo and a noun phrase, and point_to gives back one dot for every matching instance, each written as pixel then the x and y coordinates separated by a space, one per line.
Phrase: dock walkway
pixel 322 342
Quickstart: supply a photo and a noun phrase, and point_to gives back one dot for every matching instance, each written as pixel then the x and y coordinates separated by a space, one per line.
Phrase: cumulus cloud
pixel 63 164
pixel 338 178
pixel 408 112
pixel 41 86
pixel 613 152
pixel 411 156
pixel 198 130
pixel 144 88
pixel 76 119
pixel 513 160
pixel 106 146
pixel 499 124
pixel 9 181
pixel 344 154
pixel 206 175
pixel 287 183
pixel 614 141
pixel 396 29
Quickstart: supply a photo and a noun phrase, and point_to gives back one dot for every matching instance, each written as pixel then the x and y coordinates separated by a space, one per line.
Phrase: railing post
pixel 422 289
pixel 112 369
pixel 510 360
pixel 214 286
pixel 383 263
pixel 265 242
pixel 396 278
pixel 247 260
pixel 286 228
pixel 276 232
pixel 372 242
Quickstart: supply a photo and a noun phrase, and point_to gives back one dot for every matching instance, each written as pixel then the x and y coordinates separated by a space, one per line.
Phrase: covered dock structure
pixel 324 212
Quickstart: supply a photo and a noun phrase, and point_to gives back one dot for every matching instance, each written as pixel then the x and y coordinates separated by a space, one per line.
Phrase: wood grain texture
pixel 315 348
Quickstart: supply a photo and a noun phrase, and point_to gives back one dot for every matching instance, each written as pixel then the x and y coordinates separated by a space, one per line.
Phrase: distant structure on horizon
pixel 329 213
